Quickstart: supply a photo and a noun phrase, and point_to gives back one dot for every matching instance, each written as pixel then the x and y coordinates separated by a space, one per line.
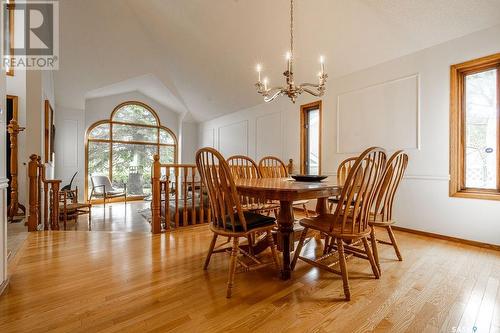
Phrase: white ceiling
pixel 198 56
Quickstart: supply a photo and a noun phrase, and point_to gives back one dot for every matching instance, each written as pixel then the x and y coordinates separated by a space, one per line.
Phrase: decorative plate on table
pixel 308 178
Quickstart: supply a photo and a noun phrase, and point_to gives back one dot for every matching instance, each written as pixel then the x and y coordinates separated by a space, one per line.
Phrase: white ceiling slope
pixel 198 56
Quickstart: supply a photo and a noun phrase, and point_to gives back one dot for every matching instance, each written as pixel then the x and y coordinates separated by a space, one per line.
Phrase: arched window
pixel 122 147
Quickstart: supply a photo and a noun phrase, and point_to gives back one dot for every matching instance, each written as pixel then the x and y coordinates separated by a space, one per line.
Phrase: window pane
pixel 481 130
pixel 100 132
pixel 167 155
pixel 166 137
pixel 135 133
pixel 313 142
pixel 98 160
pixel 133 113
pixel 132 166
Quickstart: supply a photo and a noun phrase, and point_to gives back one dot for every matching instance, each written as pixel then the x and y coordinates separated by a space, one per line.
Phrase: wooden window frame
pixel 303 133
pixel 110 141
pixel 10 8
pixel 457 128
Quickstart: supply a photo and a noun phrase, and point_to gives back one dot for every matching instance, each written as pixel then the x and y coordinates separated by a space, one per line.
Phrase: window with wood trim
pixel 475 129
pixel 9 35
pixel 123 147
pixel 310 138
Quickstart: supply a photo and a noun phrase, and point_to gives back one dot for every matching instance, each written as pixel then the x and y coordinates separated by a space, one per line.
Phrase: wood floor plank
pixel 77 281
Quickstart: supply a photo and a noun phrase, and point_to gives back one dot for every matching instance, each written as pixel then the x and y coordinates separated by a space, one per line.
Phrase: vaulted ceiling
pixel 198 56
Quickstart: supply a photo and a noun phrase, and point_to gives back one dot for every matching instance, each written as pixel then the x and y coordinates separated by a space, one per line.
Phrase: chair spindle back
pixel 243 167
pixel 394 172
pixel 272 167
pixel 343 170
pixel 358 192
pixel 224 199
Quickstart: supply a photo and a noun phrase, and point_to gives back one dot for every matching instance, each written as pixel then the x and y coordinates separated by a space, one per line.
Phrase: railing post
pixel 156 192
pixel 33 193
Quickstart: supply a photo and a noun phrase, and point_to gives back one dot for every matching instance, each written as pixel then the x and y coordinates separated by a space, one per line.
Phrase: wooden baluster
pixel 202 212
pixel 176 215
pixel 185 221
pixel 33 191
pixel 45 214
pixel 41 179
pixel 55 204
pixel 167 199
pixel 156 192
pixel 193 195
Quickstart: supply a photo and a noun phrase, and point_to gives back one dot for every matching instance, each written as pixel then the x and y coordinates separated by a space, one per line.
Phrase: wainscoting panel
pixel 386 115
pixel 233 139
pixel 268 135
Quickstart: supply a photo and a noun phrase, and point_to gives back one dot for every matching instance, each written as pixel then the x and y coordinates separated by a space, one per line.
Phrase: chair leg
pixel 375 248
pixel 210 251
pixel 327 244
pixel 90 220
pixel 394 243
pixel 343 269
pixel 250 239
pixel 274 252
pixel 369 254
pixel 305 210
pixel 232 267
pixel 299 248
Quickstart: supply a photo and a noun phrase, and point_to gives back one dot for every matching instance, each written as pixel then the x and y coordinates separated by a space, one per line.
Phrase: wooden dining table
pixel 286 191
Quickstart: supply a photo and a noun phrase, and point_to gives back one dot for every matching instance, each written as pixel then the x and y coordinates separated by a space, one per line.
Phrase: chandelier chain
pixel 291 29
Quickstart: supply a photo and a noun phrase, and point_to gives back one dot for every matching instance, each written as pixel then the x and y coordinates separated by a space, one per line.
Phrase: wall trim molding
pixel 418 139
pixel 448 238
pixel 247 141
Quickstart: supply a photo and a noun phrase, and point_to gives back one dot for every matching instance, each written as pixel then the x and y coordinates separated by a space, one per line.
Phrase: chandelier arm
pixel 314 93
pixel 273 97
pixel 314 85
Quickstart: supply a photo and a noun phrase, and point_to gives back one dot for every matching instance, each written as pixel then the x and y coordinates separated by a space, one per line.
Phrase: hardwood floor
pixel 135 282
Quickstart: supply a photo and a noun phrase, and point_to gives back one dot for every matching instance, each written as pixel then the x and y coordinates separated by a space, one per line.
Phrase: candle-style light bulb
pixel 289 61
pixel 266 81
pixel 322 63
pixel 259 69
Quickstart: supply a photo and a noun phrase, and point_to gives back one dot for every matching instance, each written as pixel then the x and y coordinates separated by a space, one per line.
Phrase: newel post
pixel 33 193
pixel 156 191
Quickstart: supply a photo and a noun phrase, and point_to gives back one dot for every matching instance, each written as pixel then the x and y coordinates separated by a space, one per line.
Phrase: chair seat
pixel 254 221
pixel 380 223
pixel 324 222
pixel 74 206
pixel 300 202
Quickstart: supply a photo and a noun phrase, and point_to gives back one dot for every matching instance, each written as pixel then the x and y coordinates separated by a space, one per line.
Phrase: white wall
pixel 423 202
pixel 189 142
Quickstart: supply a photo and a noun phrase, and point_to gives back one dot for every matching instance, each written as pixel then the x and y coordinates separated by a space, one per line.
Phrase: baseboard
pixel 4 286
pixel 448 238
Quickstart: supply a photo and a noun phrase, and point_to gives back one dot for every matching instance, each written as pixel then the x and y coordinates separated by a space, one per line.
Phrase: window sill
pixel 476 194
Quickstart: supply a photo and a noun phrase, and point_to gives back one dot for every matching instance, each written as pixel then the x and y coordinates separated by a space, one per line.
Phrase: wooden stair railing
pixel 178 196
pixel 48 218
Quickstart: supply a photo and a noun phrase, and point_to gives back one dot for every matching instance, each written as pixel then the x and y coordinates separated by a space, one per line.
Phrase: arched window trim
pixel 110 140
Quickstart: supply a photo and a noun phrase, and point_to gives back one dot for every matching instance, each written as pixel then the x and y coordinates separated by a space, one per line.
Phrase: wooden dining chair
pixel 228 217
pixel 273 167
pixel 243 167
pixel 342 172
pixel 381 214
pixel 348 225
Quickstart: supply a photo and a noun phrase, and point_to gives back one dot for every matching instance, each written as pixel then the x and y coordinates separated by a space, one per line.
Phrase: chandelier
pixel 290 89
